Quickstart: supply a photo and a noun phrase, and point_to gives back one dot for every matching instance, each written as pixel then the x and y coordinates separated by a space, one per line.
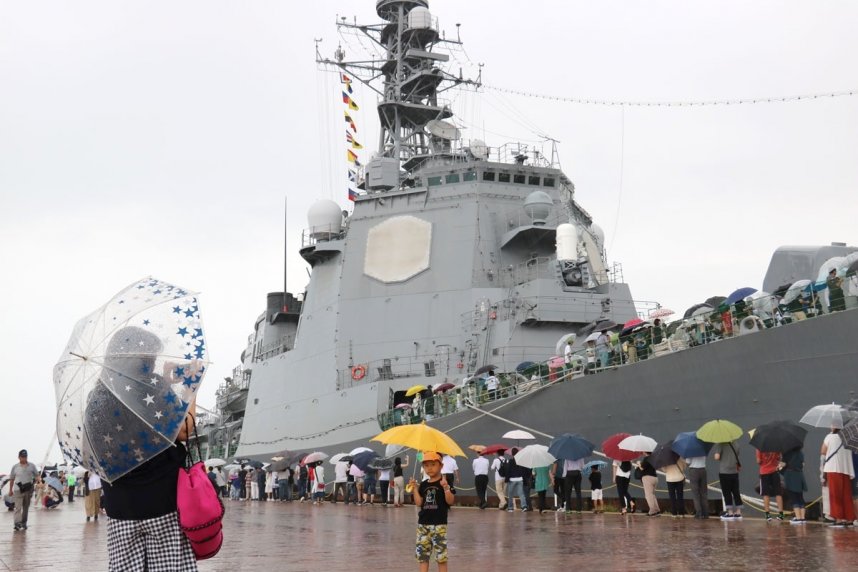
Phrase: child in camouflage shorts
pixel 434 497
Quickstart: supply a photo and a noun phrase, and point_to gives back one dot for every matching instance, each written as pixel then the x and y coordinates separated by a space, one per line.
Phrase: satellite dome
pixel 419 17
pixel 325 219
pixel 538 205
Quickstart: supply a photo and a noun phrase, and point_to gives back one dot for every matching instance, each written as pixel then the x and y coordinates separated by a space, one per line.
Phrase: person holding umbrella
pixel 770 482
pixel 837 472
pixel 795 484
pixel 727 455
pixel 434 496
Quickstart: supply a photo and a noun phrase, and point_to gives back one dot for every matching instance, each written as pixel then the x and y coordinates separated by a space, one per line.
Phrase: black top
pixel 397 470
pixel 149 491
pixel 434 508
pixel 595 480
pixel 647 470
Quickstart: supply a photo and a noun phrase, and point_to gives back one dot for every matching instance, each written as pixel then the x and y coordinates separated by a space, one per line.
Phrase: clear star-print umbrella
pixel 127 377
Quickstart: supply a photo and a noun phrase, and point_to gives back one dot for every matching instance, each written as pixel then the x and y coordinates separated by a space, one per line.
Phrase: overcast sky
pixel 162 138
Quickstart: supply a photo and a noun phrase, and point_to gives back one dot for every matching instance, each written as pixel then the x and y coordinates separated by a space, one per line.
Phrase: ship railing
pixel 275 348
pixel 422 366
pixel 648 342
pixel 312 236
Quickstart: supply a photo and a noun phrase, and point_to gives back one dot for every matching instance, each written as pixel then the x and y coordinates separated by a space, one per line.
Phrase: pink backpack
pixel 200 511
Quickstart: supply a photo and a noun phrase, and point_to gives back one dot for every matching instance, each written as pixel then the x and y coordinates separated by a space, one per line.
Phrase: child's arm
pixel 415 491
pixel 448 492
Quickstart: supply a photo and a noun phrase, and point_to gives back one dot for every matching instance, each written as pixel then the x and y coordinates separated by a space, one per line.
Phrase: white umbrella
pixel 638 443
pixel 517 434
pixel 837 262
pixel 534 456
pixel 593 337
pixel 355 471
pixel 391 450
pixel 232 467
pixel 357 450
pixel 79 471
pixel 336 458
pixel 314 457
pixel 832 415
pixel 63 468
pixel 560 346
pixel 215 462
pixel 793 291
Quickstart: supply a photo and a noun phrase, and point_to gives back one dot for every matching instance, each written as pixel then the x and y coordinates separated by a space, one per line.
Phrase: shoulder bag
pixel 200 507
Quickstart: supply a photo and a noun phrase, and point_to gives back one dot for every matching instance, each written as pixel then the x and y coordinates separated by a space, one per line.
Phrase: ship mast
pixel 410 112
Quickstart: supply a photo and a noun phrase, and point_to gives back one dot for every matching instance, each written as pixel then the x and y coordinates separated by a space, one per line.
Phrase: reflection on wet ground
pixel 301 537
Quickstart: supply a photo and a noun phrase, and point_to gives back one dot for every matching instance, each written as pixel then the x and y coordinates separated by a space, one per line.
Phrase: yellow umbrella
pixel 719 431
pixel 477 448
pixel 420 437
pixel 414 390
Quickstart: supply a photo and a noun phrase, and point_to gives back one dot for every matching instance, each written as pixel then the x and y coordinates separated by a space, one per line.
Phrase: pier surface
pixel 300 537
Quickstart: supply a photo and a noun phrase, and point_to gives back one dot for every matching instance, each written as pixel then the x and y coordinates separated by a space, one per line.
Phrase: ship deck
pixel 300 536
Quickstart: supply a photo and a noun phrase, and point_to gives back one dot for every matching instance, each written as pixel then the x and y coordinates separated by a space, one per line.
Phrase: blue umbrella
pixel 524 366
pixel 688 445
pixel 54 483
pixel 588 468
pixel 739 294
pixel 364 458
pixel 570 446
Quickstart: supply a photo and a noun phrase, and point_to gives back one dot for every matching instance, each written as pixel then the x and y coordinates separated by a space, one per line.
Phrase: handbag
pixel 200 508
pixel 25 487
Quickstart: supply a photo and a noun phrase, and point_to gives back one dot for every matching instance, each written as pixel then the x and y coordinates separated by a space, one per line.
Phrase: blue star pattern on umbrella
pixel 127 376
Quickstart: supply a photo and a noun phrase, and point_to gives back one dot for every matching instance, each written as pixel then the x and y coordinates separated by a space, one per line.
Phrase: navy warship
pixel 458 257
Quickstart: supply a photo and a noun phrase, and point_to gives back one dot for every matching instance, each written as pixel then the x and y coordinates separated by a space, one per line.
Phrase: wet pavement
pixel 302 537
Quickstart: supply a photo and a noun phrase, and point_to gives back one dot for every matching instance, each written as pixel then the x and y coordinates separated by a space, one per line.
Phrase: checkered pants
pixel 149 545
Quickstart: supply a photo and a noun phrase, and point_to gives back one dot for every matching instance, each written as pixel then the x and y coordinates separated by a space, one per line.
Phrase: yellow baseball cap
pixel 431 456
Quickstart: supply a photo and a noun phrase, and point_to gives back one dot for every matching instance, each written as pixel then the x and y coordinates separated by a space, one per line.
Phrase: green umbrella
pixel 719 431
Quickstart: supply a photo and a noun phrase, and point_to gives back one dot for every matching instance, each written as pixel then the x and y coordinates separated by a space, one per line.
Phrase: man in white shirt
pixel 492 383
pixel 500 481
pixel 567 355
pixel 481 478
pixel 341 476
pixel 450 470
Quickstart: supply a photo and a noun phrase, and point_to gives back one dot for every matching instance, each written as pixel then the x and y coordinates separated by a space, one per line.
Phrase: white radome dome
pixel 325 218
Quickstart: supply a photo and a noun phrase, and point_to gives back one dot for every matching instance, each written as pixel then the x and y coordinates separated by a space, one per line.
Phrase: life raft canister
pixel 358 372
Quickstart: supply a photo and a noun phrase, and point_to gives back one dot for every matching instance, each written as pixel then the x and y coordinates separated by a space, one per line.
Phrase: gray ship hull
pixel 752 379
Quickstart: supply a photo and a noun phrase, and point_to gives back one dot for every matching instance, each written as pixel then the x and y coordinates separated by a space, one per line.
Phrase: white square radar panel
pixel 398 249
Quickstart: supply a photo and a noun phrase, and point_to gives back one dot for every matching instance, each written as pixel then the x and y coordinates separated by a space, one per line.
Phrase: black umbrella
pixel 571 446
pixel 381 464
pixel 688 313
pixel 485 369
pixel 778 436
pixel 364 458
pixel 605 325
pixel 715 301
pixel 852 405
pixel 849 434
pixel 279 466
pixel 781 290
pixel 252 463
pixel 663 455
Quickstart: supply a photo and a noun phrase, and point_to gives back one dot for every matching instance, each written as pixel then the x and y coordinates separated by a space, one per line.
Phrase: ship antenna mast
pixel 411 114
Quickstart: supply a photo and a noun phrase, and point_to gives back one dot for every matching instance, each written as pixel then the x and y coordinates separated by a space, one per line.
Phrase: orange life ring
pixel 358 372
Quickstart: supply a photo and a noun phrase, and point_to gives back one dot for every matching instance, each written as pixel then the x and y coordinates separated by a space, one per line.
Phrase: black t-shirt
pixel 434 508
pixel 149 491
pixel 397 471
pixel 595 480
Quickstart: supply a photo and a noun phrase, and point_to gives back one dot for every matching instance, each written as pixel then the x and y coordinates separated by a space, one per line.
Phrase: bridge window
pixel 434 181
pixel 454 178
pixel 533 181
pixel 518 179
pixel 488 176
pixel 469 176
pixel 547 182
pixel 503 177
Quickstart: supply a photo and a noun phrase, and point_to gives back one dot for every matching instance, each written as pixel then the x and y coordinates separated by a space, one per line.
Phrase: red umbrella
pixel 610 447
pixel 443 387
pixel 492 449
pixel 632 323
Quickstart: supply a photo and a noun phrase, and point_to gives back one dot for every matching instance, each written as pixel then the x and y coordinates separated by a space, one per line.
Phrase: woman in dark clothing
pixel 795 483
pixel 622 475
